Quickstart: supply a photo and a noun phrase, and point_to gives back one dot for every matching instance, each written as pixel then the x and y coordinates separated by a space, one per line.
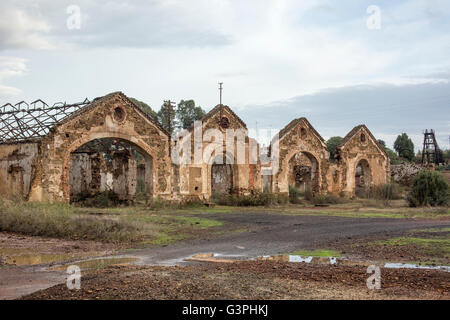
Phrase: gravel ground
pixel 252 280
pixel 262 233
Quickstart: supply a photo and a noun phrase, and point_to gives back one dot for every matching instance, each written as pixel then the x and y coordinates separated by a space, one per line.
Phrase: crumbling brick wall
pixel 18 164
pixel 96 121
pixel 360 146
pixel 297 141
pixel 195 179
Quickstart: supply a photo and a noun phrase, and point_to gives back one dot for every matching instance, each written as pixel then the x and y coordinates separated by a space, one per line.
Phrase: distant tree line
pixel 403 150
pixel 186 112
pixel 173 118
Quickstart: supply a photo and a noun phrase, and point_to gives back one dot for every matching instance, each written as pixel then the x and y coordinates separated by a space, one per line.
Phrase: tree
pixel 393 157
pixel 418 157
pixel 382 143
pixel 446 155
pixel 187 113
pixel 163 115
pixel 144 107
pixel 404 146
pixel 332 143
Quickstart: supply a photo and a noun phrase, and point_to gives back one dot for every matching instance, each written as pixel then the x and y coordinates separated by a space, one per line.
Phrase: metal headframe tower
pixel 431 152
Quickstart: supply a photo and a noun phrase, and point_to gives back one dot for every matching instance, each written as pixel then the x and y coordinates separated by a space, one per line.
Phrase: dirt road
pixel 256 234
pixel 271 234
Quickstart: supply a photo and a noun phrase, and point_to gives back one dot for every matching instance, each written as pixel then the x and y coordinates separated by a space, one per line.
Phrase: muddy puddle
pixel 221 258
pixel 34 259
pixel 96 263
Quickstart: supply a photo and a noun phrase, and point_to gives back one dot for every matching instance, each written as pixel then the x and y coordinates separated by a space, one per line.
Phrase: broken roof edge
pixel 293 123
pixel 98 100
pixel 216 109
pixel 354 131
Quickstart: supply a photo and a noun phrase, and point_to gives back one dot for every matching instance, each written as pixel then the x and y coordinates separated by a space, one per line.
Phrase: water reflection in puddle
pixel 298 258
pixel 346 261
pixel 221 258
pixel 98 263
pixel 414 266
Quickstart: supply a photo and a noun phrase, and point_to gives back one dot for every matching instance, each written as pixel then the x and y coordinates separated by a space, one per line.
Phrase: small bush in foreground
pixel 429 188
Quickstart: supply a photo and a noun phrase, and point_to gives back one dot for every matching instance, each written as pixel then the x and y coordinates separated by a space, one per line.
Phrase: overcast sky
pixel 278 59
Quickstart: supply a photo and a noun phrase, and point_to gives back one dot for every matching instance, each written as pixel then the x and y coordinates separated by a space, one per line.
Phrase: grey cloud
pixel 136 24
pixel 385 109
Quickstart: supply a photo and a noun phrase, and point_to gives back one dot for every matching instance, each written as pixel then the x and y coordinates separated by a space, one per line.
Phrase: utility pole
pixel 169 114
pixel 220 92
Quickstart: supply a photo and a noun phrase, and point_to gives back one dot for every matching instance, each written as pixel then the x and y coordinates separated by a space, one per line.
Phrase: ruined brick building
pixel 111 144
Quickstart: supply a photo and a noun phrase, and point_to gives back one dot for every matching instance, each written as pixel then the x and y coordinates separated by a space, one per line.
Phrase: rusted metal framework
pixel 431 152
pixel 24 121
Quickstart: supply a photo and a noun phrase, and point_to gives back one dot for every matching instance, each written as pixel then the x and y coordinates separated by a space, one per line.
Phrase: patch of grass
pixel 201 223
pixel 316 253
pixel 403 241
pixel 433 246
pixel 354 211
pixel 63 221
pixel 431 230
pixel 171 227
pixel 119 224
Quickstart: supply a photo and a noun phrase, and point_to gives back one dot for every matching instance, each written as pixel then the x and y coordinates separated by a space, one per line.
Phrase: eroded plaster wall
pixel 18 164
pixel 195 179
pixel 362 147
pixel 300 140
pixel 101 120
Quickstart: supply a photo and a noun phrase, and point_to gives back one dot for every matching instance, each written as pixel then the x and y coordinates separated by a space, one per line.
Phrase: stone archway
pixel 111 167
pixel 303 172
pixel 363 176
pixel 150 165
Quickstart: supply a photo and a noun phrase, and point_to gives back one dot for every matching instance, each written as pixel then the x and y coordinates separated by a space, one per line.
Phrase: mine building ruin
pixel 68 151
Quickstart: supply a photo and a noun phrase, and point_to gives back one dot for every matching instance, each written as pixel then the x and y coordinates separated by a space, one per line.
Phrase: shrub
pixel 444 167
pixel 387 191
pixel 294 193
pixel 308 195
pixel 103 199
pixel 325 199
pixel 429 188
pixel 255 199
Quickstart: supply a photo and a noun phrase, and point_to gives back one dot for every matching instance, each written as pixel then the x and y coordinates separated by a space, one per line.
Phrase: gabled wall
pixel 96 121
pixel 361 145
pixel 300 136
pixel 195 178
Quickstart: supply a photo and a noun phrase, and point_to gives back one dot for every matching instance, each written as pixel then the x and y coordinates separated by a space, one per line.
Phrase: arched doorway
pixel 110 167
pixel 362 177
pixel 221 177
pixel 303 172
